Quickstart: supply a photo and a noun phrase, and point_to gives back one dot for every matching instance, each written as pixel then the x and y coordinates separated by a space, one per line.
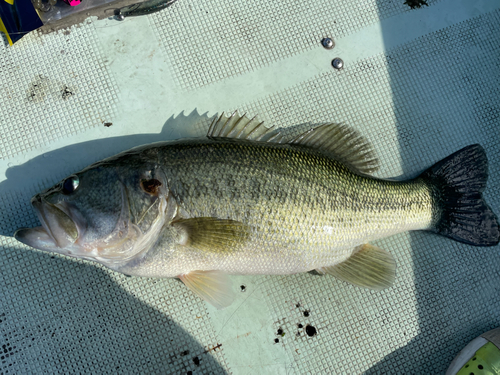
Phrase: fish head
pixel 109 212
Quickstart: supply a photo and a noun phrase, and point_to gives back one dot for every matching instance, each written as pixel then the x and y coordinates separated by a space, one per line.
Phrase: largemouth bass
pixel 246 200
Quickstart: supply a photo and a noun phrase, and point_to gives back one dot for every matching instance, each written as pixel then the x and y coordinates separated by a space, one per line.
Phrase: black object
pixel 19 19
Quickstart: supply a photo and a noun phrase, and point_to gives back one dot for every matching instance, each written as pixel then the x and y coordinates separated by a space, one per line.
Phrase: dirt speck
pixel 311 330
pixel 66 92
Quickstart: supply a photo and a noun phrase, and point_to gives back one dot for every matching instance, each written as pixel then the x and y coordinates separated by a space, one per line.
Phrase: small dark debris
pixel 297 305
pixel 185 352
pixel 243 288
pixel 276 340
pixel 196 361
pixel 190 373
pixel 108 124
pixel 214 348
pixel 416 3
pixel 306 313
pixel 66 92
pixel 298 333
pixel 310 330
pixel 300 325
pixel 279 332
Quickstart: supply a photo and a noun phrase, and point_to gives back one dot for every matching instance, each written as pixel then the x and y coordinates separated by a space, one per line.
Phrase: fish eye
pixel 70 184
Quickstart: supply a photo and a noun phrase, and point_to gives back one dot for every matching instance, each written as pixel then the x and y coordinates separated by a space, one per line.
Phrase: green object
pixel 486 361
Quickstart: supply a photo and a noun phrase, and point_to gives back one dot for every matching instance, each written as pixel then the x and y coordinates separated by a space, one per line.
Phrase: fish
pixel 250 200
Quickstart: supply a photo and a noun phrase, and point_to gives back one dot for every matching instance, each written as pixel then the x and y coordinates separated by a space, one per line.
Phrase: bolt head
pixel 328 43
pixel 337 63
pixel 119 16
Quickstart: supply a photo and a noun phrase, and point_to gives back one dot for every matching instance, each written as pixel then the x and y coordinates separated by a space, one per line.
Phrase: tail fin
pixel 457 183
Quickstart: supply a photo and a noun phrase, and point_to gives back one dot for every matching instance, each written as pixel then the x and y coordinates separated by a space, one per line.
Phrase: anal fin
pixel 212 286
pixel 368 267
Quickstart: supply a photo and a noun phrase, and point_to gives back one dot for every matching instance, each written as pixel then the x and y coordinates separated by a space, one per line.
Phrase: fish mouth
pixel 58 230
pixel 65 230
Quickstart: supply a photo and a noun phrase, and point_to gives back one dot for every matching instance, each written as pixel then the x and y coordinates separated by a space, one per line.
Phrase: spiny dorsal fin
pixel 343 143
pixel 210 234
pixel 213 286
pixel 368 267
pixel 241 127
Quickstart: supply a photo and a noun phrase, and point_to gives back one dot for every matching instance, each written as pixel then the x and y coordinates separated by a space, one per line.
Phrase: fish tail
pixel 457 183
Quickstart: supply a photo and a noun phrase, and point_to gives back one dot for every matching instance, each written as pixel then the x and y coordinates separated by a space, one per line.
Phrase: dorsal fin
pixel 241 127
pixel 343 143
pixel 339 141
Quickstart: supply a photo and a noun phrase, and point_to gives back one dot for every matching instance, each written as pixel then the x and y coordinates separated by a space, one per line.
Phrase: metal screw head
pixel 337 63
pixel 327 43
pixel 119 16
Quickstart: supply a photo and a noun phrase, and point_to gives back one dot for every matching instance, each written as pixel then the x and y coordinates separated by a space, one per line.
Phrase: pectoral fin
pixel 212 234
pixel 368 267
pixel 213 286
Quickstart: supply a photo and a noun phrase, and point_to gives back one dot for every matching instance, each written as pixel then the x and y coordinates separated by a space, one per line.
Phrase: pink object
pixel 72 2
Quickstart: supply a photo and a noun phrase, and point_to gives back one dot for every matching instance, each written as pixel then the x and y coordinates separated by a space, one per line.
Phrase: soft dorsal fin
pixel 241 127
pixel 368 267
pixel 343 143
